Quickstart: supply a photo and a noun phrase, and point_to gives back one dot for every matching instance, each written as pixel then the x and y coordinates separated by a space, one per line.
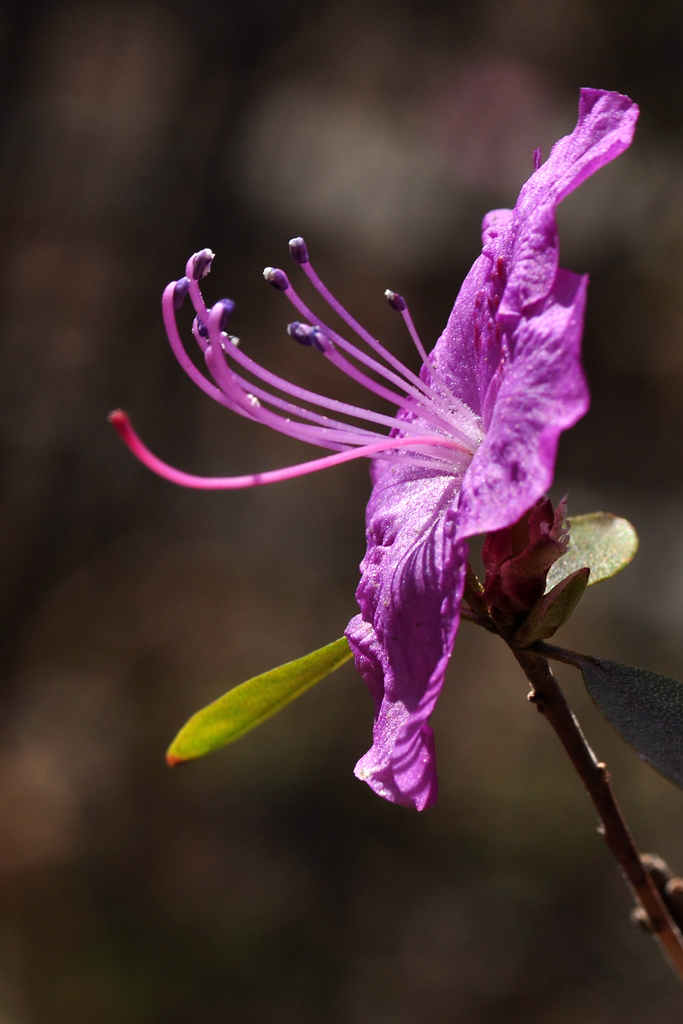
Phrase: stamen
pixel 398 303
pixel 417 388
pixel 305 335
pixel 199 327
pixel 401 306
pixel 228 309
pixel 277 278
pixel 179 292
pixel 298 251
pixel 199 265
pixel 419 395
pixel 373 343
pixel 179 349
pixel 395 300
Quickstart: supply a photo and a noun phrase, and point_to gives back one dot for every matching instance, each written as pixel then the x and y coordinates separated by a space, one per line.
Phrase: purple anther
pixel 319 340
pixel 300 332
pixel 277 278
pixel 200 328
pixel 303 333
pixel 228 308
pixel 306 335
pixel 538 157
pixel 201 263
pixel 298 250
pixel 179 292
pixel 395 300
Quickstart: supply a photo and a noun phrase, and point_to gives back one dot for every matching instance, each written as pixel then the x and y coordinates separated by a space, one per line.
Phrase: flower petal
pixel 604 129
pixel 509 356
pixel 409 595
pixel 469 350
pixel 542 392
pixel 520 254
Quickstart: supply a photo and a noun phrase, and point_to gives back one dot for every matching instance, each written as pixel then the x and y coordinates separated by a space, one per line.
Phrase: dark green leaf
pixel 645 708
pixel 601 541
pixel 552 610
pixel 250 703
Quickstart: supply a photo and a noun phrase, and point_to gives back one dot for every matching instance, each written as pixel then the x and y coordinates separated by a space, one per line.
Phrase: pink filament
pixel 122 425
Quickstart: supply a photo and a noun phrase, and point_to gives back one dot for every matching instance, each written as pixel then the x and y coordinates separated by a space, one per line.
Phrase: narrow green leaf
pixel 552 610
pixel 601 541
pixel 247 705
pixel 645 708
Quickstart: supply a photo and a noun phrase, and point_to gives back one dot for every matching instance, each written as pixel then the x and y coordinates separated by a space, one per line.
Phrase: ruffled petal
pixel 604 129
pixel 520 254
pixel 409 595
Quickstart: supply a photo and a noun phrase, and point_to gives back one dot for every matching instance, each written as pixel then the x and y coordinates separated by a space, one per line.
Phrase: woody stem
pixel 550 702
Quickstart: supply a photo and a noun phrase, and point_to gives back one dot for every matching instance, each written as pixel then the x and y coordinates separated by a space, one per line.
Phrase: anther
pixel 320 340
pixel 306 335
pixel 277 278
pixel 228 308
pixel 200 327
pixel 298 250
pixel 300 332
pixel 395 300
pixel 201 263
pixel 179 292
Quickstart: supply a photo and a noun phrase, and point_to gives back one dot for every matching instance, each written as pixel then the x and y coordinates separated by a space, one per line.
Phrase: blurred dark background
pixel 266 884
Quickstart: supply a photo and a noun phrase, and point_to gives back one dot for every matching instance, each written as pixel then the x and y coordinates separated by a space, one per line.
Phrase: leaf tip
pixel 173 760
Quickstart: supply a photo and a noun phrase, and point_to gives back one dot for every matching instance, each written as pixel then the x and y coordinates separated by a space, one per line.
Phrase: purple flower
pixel 470 450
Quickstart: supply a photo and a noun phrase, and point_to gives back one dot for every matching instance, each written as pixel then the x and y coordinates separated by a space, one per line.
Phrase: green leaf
pixel 645 708
pixel 552 610
pixel 250 703
pixel 601 541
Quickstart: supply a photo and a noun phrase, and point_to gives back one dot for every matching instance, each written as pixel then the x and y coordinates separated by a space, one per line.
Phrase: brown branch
pixel 550 701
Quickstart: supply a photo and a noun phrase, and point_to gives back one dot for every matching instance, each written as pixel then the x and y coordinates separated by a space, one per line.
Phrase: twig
pixel 550 701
